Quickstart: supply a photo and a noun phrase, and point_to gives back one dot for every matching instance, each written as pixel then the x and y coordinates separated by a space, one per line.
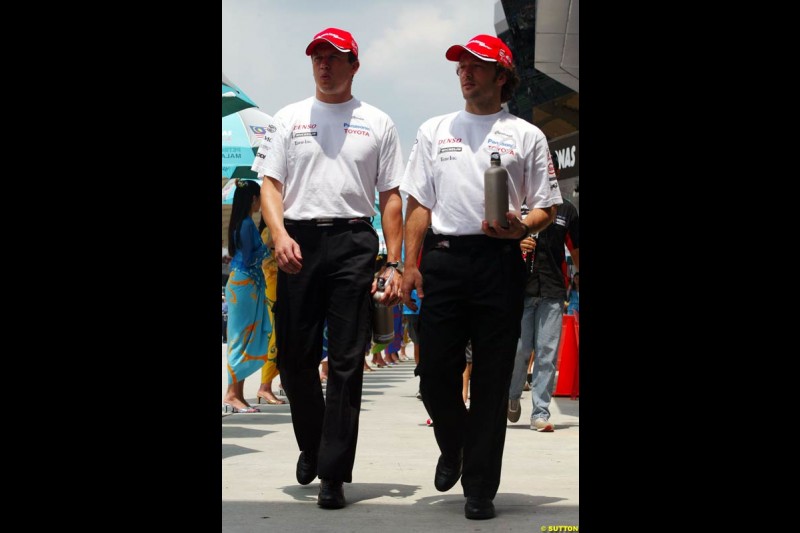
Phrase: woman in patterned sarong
pixel 249 325
pixel 270 369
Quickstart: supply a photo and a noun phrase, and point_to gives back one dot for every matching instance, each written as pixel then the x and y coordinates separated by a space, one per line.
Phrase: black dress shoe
pixel 306 468
pixel 331 495
pixel 448 470
pixel 478 508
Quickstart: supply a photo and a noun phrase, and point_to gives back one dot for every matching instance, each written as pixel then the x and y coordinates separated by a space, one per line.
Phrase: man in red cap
pixel 324 158
pixel 471 279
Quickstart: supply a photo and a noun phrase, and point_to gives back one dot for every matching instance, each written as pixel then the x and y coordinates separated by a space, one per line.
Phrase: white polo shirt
pixel 330 158
pixel 451 153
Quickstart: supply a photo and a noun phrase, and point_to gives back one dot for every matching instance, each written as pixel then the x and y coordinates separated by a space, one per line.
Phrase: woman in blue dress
pixel 573 296
pixel 249 326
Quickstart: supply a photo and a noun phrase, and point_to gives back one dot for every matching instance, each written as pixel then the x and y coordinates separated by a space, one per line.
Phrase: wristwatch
pixel 395 265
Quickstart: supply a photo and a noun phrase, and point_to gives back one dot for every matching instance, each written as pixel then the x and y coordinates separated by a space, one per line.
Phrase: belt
pixel 321 222
pixel 461 242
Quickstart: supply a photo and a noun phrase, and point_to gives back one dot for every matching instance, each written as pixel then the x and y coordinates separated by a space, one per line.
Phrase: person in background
pixel 412 324
pixel 573 296
pixel 406 339
pixel 226 261
pixel 545 292
pixel 270 369
pixel 471 277
pixel 224 320
pixel 411 317
pixel 393 347
pixel 323 160
pixel 249 325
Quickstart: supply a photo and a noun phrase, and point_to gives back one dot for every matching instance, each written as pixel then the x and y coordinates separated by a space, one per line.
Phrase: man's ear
pixel 501 78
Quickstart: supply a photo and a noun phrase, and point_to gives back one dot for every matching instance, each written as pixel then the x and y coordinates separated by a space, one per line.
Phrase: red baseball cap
pixel 485 47
pixel 340 39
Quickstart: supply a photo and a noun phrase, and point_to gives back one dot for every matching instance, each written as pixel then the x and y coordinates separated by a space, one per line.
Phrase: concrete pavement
pixel 392 489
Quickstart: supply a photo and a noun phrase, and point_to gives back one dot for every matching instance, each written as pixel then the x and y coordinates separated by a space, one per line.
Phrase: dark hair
pixel 512 80
pixel 242 200
pixel 572 285
pixel 554 157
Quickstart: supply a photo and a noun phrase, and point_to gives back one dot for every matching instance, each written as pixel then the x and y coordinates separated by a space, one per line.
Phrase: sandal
pixel 270 401
pixel 274 402
pixel 228 407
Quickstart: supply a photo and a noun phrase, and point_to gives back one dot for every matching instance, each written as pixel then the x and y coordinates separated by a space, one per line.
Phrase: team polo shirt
pixel 549 278
pixel 330 158
pixel 451 153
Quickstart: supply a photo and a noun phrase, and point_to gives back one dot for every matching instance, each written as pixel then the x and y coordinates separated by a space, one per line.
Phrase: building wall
pixel 543 38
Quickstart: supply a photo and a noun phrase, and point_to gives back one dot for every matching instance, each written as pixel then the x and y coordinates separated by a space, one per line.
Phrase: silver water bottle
pixel 382 317
pixel 495 192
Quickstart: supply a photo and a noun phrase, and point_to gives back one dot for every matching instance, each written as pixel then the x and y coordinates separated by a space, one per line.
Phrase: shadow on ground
pixel 440 514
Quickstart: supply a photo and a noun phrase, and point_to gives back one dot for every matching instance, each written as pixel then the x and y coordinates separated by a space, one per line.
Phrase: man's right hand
pixel 527 244
pixel 412 279
pixel 287 255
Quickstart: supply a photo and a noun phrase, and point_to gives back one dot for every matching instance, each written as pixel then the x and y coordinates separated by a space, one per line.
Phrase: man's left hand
pixel 515 230
pixel 393 289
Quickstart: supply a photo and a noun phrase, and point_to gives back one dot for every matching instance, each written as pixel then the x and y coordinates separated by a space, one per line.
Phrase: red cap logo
pixel 340 39
pixel 485 47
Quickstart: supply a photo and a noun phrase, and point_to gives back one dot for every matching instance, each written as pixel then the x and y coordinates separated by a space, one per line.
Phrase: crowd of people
pixel 299 299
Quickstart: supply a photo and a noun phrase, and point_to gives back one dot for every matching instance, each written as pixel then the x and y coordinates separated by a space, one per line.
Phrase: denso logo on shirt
pixel 445 149
pixel 301 130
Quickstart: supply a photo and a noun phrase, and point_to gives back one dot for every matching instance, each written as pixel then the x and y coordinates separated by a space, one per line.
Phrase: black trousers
pixel 334 284
pixel 473 290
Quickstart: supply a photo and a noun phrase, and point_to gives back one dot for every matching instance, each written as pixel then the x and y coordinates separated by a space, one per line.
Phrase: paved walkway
pixel 392 489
